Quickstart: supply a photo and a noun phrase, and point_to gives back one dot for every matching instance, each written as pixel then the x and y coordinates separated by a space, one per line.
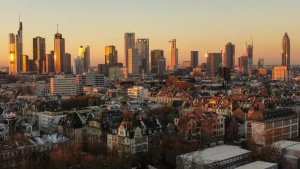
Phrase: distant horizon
pixel 197 26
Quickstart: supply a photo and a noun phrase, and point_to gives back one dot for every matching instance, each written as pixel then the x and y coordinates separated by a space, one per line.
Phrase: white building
pixel 48 121
pixel 223 156
pixel 61 84
pixel 259 165
pixel 136 92
pixel 4 131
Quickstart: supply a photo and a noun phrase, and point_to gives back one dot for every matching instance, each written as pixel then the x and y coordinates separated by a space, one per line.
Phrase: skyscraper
pixel 261 63
pixel 213 62
pixel 286 51
pixel 50 62
pixel 12 53
pixel 143 50
pixel 78 65
pixel 128 43
pixel 25 66
pixel 249 51
pixel 155 54
pixel 229 56
pixel 19 47
pixel 173 54
pixel 133 62
pixel 243 64
pixel 39 53
pixel 111 56
pixel 59 52
pixel 194 59
pixel 67 63
pixel 84 53
pixel 161 65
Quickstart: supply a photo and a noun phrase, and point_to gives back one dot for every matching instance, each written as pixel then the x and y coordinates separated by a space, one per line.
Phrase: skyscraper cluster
pixel 57 61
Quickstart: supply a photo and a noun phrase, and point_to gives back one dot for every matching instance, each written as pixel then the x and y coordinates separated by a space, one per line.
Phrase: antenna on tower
pixel 19 18
pixel 57 28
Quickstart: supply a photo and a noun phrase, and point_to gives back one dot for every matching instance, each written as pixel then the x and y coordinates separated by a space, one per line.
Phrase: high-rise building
pixel 78 65
pixel 155 54
pixel 280 73
pixel 25 66
pixel 12 54
pixel 111 56
pixel 80 80
pixel 213 62
pixel 286 51
pixel 173 54
pixel 31 65
pixel 249 51
pixel 67 63
pixel 261 63
pixel 59 52
pixel 229 56
pixel 133 62
pixel 143 50
pixel 19 47
pixel 243 64
pixel 95 79
pixel 63 84
pixel 103 69
pixel 50 62
pixel 128 43
pixel 84 53
pixel 161 65
pixel 39 53
pixel 194 59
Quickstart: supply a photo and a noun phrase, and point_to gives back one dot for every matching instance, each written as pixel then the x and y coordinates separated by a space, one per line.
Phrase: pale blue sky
pixel 203 25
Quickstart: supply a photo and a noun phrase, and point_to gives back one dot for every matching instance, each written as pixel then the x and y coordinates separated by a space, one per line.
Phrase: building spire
pixel 57 28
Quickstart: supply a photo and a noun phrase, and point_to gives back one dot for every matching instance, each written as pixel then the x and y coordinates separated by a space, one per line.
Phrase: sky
pixel 202 25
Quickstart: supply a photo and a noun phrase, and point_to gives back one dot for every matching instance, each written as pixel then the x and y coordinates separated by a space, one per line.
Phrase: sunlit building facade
pixel 280 73
pixel 12 53
pixel 243 64
pixel 39 53
pixel 143 51
pixel 155 54
pixel 84 53
pixel 173 54
pixel 25 66
pixel 133 62
pixel 59 52
pixel 129 43
pixel 213 62
pixel 111 56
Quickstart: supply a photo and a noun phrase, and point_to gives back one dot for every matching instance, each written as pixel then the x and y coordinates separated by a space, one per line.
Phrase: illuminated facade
pixel 39 53
pixel 111 56
pixel 286 51
pixel 243 64
pixel 12 53
pixel 133 62
pixel 84 53
pixel 213 62
pixel 25 66
pixel 173 54
pixel 229 56
pixel 128 43
pixel 280 73
pixel 59 52
pixel 143 50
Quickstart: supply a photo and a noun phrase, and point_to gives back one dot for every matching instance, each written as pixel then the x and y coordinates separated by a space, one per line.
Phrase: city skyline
pixel 265 25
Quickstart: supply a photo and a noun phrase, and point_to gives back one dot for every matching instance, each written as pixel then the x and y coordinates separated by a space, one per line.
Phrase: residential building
pixel 213 62
pixel 59 52
pixel 62 84
pixel 111 56
pixel 78 65
pixel 223 156
pixel 84 53
pixel 280 73
pixel 173 54
pixel 12 54
pixel 129 43
pixel 39 53
pixel 134 64
pixel 155 54
pixel 143 51
pixel 162 64
pixel 268 126
pixel 286 49
pixel 228 59
pixel 194 59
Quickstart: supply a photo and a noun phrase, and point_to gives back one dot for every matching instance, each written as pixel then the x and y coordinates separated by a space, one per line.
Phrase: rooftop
pixel 257 165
